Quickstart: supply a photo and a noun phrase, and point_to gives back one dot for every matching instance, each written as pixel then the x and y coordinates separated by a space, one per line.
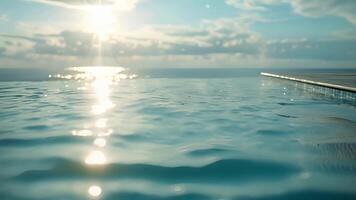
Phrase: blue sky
pixel 178 33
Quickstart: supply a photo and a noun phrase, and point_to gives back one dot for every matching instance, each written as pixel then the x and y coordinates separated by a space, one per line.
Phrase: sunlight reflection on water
pixel 94 191
pixel 100 142
pixel 173 138
pixel 96 158
pixel 101 123
pixel 99 79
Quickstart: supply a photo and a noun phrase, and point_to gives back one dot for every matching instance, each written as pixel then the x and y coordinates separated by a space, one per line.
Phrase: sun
pixel 100 20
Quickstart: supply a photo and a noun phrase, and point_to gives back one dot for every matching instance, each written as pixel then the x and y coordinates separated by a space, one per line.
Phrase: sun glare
pixel 100 21
pixel 95 158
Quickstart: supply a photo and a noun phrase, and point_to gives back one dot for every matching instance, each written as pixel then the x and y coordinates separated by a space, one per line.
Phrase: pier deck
pixel 339 81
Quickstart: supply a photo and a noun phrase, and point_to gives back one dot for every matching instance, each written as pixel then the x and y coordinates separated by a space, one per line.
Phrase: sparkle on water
pixel 94 191
pixel 101 79
pixel 100 142
pixel 95 158
pixel 101 123
pixel 82 133
pixel 173 138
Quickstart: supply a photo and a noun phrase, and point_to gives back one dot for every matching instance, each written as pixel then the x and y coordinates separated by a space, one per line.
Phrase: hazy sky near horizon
pixel 178 33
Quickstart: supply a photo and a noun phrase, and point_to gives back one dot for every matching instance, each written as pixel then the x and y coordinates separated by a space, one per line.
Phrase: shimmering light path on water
pixel 106 136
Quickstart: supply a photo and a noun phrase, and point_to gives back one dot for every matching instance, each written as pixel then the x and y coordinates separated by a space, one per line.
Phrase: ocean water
pixel 178 137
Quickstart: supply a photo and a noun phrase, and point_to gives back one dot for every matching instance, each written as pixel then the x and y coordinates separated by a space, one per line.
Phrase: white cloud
pixel 123 5
pixel 14 46
pixel 317 49
pixel 309 8
pixel 3 18
pixel 219 45
pixel 213 43
pixel 317 8
pixel 253 4
pixel 224 42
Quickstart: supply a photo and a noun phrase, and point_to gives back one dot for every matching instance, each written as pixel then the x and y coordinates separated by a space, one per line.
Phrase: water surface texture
pixel 243 137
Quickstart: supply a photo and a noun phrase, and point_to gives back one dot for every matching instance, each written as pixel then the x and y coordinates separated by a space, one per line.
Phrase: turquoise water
pixel 243 137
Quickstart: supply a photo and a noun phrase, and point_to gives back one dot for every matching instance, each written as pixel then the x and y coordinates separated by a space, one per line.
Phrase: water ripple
pixel 229 170
pixel 137 196
pixel 303 195
pixel 39 141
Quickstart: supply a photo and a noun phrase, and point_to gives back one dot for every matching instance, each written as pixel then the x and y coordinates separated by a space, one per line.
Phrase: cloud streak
pixel 308 8
pixel 317 49
pixel 3 18
pixel 123 5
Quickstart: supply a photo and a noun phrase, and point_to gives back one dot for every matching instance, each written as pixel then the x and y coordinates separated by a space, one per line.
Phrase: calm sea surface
pixel 175 138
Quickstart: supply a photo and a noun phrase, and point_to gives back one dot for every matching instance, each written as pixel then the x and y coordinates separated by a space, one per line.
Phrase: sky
pixel 57 34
